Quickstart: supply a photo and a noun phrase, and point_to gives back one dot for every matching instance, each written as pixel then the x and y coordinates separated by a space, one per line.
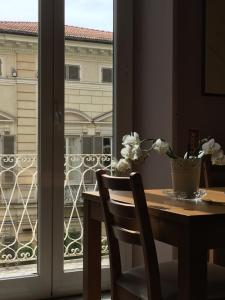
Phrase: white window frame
pixel 51 145
pixel 38 286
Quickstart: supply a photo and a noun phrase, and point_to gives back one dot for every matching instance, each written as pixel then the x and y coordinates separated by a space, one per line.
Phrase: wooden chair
pixel 130 223
pixel 214 176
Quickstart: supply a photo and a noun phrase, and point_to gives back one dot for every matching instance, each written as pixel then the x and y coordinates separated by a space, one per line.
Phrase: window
pixel 72 144
pixel 96 145
pixel 7 146
pixel 77 145
pixel 107 145
pixel 107 75
pixel 72 72
pixel 0 67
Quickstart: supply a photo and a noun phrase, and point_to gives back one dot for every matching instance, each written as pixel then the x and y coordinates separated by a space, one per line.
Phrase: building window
pixel 106 75
pixel 7 150
pixel 0 67
pixel 107 145
pixel 72 72
pixel 96 145
pixel 84 145
pixel 73 144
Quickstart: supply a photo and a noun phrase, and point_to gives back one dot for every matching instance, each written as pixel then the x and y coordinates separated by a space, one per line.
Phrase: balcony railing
pixel 18 204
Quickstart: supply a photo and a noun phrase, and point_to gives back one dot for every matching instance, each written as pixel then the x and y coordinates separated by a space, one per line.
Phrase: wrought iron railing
pixel 18 204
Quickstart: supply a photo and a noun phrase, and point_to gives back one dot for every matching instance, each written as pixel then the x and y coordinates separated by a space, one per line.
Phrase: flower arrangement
pixel 134 151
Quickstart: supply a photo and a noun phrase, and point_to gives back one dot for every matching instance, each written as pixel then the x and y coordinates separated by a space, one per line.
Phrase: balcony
pixel 18 209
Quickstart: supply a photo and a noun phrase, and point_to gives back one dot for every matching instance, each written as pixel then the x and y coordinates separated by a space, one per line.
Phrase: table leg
pixel 92 255
pixel 192 272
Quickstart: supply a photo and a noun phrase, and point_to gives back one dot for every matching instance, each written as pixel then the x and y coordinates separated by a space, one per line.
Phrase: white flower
pixel 131 139
pixel 218 158
pixel 126 152
pixel 161 147
pixel 210 147
pixel 131 152
pixel 136 152
pixel 114 163
pixel 123 165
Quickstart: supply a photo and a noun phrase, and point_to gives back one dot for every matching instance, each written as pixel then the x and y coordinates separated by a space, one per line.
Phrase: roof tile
pixel 71 32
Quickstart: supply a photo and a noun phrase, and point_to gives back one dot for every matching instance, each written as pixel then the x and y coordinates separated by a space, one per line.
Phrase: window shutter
pixel 88 149
pixel 107 75
pixel 74 72
pixel 8 148
pixel 8 144
pixel 87 145
pixel 98 145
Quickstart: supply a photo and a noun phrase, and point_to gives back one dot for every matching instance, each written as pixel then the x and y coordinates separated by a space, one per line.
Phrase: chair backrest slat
pixel 116 183
pixel 120 209
pixel 129 223
pixel 127 236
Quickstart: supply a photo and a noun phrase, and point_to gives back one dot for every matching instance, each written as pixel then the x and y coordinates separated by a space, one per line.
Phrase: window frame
pixel 51 143
pixel 123 75
pixel 106 68
pixel 51 139
pixel 67 66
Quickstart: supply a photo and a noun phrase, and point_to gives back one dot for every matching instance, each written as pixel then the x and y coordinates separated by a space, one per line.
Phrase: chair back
pixel 213 175
pixel 129 223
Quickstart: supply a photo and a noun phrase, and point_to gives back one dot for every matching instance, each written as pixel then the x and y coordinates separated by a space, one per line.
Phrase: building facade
pixel 88 89
pixel 88 130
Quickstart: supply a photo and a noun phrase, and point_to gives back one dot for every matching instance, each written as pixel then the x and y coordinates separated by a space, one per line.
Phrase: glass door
pixel 25 246
pixel 88 75
pixel 55 131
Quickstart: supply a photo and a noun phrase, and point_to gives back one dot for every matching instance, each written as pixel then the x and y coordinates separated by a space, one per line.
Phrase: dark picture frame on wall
pixel 214 47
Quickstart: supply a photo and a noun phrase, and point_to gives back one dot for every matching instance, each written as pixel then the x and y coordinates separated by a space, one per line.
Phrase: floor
pixel 26 270
pixel 105 296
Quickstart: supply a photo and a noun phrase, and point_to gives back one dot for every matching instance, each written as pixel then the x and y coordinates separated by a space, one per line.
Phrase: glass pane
pixel 88 113
pixel 18 137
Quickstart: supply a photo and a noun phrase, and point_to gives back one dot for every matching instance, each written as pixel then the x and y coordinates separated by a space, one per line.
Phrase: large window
pixel 41 219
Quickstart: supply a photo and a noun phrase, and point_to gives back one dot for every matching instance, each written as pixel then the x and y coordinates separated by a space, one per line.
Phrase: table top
pixel 213 203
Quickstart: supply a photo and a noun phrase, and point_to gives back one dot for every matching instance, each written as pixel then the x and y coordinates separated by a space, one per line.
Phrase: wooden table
pixel 193 227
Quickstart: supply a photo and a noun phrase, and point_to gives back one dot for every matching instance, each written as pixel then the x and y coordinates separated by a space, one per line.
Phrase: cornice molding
pixel 71 47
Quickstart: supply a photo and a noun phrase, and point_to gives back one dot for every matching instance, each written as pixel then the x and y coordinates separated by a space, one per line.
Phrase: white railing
pixel 18 204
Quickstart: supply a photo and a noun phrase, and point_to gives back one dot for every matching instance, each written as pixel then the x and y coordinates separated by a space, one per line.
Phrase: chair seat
pixel 134 281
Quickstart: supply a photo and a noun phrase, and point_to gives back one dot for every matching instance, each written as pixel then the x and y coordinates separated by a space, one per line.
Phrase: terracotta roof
pixel 71 32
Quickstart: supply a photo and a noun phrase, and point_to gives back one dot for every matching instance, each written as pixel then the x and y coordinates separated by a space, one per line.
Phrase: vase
pixel 186 176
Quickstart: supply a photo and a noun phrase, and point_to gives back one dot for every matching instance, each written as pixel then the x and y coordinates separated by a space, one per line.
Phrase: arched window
pixel 0 67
